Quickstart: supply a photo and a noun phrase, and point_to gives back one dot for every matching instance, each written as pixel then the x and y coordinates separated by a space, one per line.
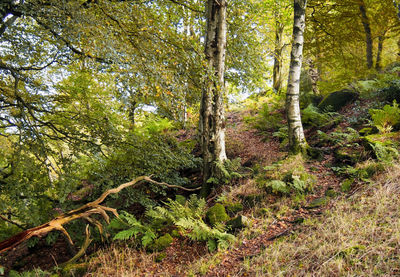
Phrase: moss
pixel 251 200
pixel 238 223
pixel 338 99
pixel 217 214
pixel 318 202
pixel 160 257
pixel 330 192
pixel 74 269
pixel 350 154
pixel 175 233
pixel 233 207
pixel 162 242
pixel 346 185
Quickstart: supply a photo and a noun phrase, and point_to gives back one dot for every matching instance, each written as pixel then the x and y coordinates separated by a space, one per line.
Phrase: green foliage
pixel 384 119
pixel 132 228
pixel 384 153
pixel 270 116
pixel 339 137
pixel 226 171
pixel 287 176
pixel 162 242
pixel 217 214
pixel 312 116
pixel 33 273
pixel 188 218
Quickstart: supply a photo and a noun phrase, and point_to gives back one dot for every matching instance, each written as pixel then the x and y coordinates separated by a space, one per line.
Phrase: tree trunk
pixel 277 74
pixel 297 141
pixel 212 118
pixel 379 53
pixel 313 74
pixel 368 35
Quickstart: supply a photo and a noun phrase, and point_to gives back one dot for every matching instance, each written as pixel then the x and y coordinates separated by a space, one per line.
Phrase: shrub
pixel 312 116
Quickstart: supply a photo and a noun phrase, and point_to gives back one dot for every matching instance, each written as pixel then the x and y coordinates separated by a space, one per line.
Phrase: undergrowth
pixel 335 245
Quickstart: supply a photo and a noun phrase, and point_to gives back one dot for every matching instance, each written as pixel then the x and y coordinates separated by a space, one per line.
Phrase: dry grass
pixel 360 236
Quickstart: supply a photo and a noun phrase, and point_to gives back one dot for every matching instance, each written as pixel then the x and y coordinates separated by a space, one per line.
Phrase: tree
pixel 212 118
pixel 297 141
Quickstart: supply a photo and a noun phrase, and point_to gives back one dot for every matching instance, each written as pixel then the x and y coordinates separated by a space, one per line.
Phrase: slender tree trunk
pixel 313 74
pixel 368 35
pixel 379 53
pixel 277 73
pixel 212 118
pixel 297 141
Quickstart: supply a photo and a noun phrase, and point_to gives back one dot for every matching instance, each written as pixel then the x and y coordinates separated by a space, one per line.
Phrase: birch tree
pixel 212 118
pixel 297 141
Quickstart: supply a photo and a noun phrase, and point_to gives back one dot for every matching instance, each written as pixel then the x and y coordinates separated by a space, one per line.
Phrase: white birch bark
pixel 212 118
pixel 297 141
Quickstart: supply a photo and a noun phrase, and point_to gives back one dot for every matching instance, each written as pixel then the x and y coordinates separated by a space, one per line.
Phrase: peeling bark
pixel 297 141
pixel 212 118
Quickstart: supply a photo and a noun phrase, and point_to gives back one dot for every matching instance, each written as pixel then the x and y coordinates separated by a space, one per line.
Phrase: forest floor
pixel 273 220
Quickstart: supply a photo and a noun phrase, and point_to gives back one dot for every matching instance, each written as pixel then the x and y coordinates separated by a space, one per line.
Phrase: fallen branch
pixel 84 212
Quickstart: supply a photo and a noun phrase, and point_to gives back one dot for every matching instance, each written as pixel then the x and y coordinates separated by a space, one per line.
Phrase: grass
pixel 360 236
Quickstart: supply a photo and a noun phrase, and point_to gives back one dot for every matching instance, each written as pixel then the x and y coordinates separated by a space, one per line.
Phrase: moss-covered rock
pixel 162 242
pixel 238 222
pixel 217 214
pixel 350 154
pixel 233 207
pixel 338 99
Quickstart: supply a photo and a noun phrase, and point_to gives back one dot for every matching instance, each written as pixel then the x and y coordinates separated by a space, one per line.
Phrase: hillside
pixel 332 213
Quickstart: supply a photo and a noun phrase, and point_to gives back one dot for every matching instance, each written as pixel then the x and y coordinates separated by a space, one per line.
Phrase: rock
pixel 338 99
pixel 217 214
pixel 238 222
pixel 350 154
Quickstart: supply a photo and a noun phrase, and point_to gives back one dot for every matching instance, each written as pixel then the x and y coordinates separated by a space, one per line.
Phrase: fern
pixel 386 118
pixel 135 229
pixel 188 218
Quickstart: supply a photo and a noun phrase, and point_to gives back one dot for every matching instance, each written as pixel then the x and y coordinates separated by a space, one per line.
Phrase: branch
pixel 84 212
pixel 12 222
pixel 187 6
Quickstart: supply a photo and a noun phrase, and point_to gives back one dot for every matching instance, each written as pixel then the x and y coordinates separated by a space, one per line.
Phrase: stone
pixel 338 99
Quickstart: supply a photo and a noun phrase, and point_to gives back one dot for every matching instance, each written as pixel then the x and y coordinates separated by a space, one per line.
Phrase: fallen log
pixel 84 212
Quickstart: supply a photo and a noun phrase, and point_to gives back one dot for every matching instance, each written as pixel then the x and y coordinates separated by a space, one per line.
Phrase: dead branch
pixel 84 212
